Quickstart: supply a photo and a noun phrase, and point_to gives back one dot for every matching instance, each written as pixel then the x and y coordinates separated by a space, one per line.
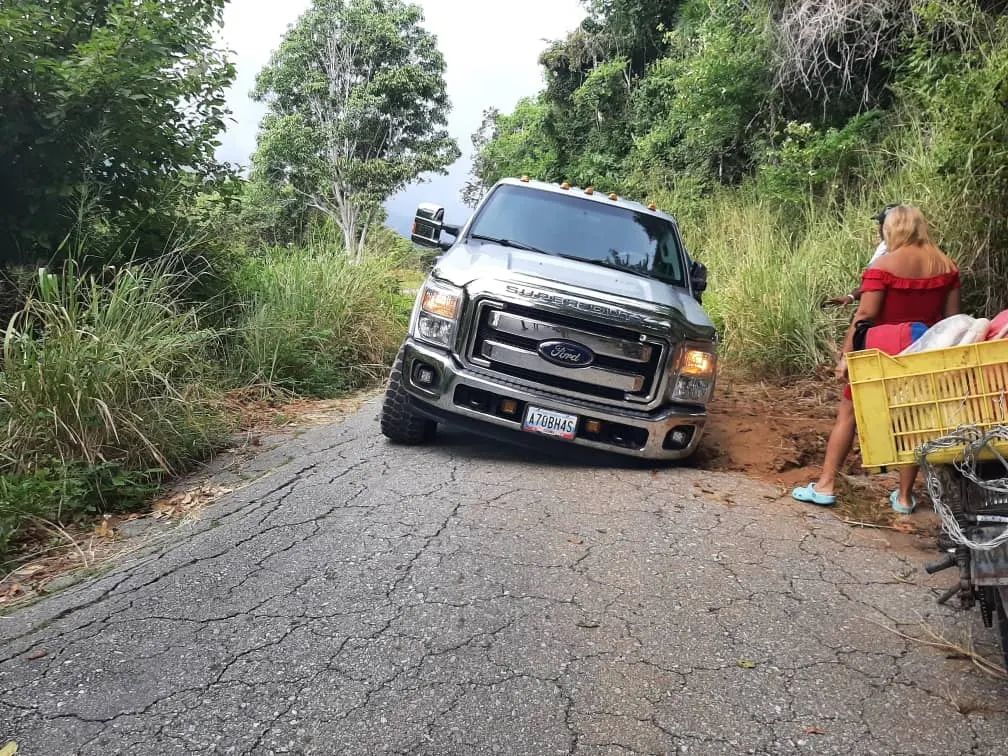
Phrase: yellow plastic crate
pixel 902 402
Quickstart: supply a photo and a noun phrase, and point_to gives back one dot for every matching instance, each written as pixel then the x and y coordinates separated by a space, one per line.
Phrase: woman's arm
pixel 952 302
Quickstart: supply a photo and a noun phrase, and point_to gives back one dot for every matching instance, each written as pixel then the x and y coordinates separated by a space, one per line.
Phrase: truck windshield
pixel 582 229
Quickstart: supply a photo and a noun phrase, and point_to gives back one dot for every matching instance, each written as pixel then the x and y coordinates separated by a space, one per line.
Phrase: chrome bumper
pixel 450 375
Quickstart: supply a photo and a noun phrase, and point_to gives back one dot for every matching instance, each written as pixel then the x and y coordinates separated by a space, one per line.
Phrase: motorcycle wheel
pixel 1001 620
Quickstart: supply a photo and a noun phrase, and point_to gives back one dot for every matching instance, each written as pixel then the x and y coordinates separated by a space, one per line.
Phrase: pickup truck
pixel 563 313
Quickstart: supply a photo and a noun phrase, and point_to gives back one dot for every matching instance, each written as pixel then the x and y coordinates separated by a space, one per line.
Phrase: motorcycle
pixel 971 497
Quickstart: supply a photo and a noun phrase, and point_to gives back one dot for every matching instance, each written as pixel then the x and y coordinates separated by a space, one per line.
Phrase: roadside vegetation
pixel 146 289
pixel 774 130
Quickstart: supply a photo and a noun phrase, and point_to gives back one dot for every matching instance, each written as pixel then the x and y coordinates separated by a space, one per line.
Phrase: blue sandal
pixel 894 502
pixel 808 495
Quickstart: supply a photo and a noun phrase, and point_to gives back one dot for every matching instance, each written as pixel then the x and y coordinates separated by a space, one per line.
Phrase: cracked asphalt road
pixel 468 598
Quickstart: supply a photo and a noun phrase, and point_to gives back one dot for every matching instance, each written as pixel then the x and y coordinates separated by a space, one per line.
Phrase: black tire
pixel 1001 620
pixel 399 422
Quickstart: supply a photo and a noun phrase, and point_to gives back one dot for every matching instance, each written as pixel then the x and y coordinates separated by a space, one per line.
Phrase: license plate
pixel 550 423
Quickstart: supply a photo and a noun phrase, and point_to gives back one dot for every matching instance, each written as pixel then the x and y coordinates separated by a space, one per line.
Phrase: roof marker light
pixel 565 186
pixel 652 206
pixel 590 190
pixel 614 196
pixel 524 179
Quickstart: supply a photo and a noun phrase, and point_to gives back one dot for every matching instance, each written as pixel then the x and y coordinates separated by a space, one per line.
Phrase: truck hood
pixel 476 260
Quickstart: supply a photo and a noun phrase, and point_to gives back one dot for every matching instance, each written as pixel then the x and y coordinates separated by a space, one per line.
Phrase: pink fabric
pixel 999 326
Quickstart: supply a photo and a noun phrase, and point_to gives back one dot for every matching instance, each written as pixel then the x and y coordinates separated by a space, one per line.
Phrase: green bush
pixel 818 163
pixel 314 323
pixel 112 370
pixel 106 386
pixel 58 493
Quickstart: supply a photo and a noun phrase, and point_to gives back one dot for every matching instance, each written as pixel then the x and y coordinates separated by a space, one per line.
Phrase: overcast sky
pixel 492 51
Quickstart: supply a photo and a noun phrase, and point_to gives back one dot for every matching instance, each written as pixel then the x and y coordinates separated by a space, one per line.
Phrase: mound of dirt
pixel 777 433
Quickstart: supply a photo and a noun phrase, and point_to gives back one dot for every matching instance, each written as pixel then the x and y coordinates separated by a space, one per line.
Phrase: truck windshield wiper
pixel 510 243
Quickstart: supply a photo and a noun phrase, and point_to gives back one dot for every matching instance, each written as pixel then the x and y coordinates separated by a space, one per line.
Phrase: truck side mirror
pixel 427 225
pixel 698 279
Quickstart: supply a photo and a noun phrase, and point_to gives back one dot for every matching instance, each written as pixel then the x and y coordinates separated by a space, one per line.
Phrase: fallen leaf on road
pixel 37 654
pixel 746 664
pixel 814 731
pixel 10 749
pixel 589 625
pixel 186 503
pixel 576 541
pixel 15 589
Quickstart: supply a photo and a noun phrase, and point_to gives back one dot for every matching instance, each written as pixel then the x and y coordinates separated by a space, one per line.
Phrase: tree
pixel 104 106
pixel 637 27
pixel 475 187
pixel 519 144
pixel 357 109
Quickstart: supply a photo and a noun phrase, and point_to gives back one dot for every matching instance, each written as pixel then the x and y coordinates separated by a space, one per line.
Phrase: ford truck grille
pixel 627 366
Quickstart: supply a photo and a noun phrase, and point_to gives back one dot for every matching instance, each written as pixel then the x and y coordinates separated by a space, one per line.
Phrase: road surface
pixel 470 598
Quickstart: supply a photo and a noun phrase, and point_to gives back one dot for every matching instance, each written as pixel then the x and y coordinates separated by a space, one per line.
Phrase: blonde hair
pixel 906 226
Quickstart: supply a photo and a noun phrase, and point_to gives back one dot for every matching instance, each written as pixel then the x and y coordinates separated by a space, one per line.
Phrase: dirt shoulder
pixel 776 432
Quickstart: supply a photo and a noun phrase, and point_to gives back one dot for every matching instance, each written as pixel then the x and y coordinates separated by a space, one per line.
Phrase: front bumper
pixel 439 401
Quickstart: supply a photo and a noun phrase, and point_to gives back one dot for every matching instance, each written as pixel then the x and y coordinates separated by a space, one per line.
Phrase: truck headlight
pixel 695 375
pixel 438 314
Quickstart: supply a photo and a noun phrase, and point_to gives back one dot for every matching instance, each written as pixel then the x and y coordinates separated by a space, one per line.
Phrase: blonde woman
pixel 915 282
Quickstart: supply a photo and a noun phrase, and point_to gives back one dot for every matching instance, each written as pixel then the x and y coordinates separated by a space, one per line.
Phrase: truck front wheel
pixel 399 422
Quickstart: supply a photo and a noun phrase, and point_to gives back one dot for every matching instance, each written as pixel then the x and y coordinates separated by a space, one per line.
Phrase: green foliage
pixel 812 163
pixel 314 323
pixel 62 493
pixel 520 145
pixel 956 104
pixel 106 105
pixel 356 110
pixel 638 26
pixel 108 369
pixel 706 113
pixel 596 124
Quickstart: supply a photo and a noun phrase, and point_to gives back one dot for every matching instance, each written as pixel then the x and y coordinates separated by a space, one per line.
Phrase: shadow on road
pixel 527 449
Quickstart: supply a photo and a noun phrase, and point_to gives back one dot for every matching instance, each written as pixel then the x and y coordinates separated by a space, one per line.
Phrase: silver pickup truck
pixel 568 314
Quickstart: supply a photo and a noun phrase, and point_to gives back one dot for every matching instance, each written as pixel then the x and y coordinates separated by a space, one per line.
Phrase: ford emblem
pixel 566 353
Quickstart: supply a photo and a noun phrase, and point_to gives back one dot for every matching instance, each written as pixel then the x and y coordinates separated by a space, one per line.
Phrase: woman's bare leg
pixel 908 475
pixel 840 442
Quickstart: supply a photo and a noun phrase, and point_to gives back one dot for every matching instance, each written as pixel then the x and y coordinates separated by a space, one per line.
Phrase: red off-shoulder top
pixel 910 300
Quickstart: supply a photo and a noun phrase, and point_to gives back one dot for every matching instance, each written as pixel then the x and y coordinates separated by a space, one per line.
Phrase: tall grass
pixel 105 386
pixel 313 323
pixel 768 274
pixel 111 380
pixel 772 263
pixel 101 371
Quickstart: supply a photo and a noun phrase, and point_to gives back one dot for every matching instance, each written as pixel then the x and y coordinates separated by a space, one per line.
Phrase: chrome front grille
pixel 627 366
